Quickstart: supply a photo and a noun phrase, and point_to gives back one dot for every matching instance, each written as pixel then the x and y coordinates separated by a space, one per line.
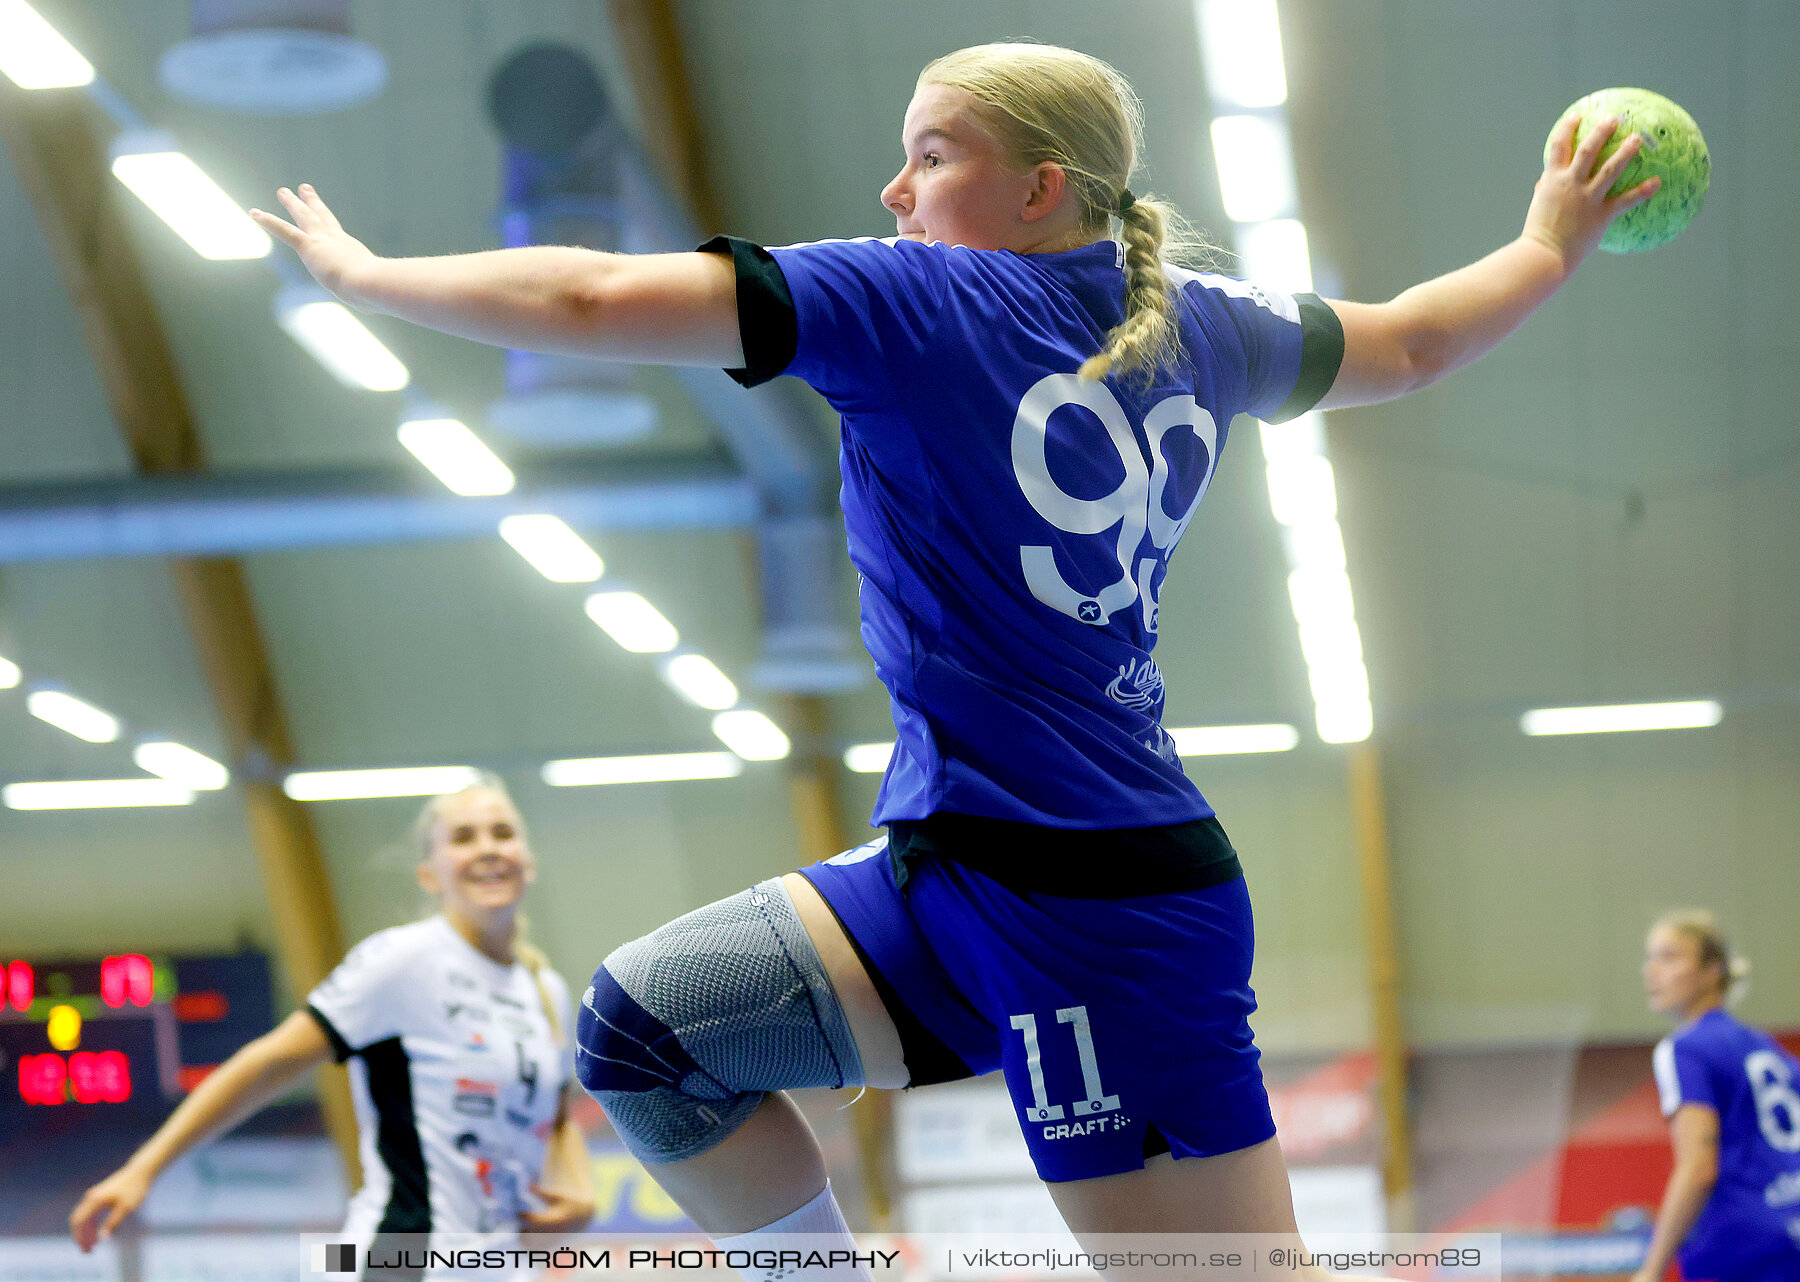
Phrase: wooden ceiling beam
pixel 649 37
pixel 63 168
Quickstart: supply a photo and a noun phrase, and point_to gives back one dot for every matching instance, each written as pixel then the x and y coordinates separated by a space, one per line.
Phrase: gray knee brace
pixel 684 1031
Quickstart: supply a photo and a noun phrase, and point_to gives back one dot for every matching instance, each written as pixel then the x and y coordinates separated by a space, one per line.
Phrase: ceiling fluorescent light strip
pixel 1213 741
pixel 34 55
pixel 396 781
pixel 73 716
pixel 552 548
pixel 179 192
pixel 1240 47
pixel 698 680
pixel 1303 500
pixel 633 622
pixel 1275 253
pixel 668 767
pixel 94 794
pixel 868 758
pixel 180 764
pixel 457 457
pixel 1691 714
pixel 1255 165
pixel 752 735
pixel 335 338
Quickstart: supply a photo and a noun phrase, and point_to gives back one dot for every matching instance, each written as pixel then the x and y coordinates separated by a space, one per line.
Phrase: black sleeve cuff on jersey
pixel 340 1049
pixel 766 319
pixel 1321 354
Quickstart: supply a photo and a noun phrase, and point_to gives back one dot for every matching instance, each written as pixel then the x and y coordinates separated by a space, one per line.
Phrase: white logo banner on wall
pixel 220 1257
pixel 55 1259
pixel 267 1183
pixel 968 1131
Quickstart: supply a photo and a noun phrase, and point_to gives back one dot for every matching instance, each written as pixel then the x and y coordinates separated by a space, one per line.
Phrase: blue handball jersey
pixel 1012 525
pixel 1751 1223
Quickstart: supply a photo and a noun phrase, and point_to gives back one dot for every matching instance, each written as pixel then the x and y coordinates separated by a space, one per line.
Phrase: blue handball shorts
pixel 1122 1025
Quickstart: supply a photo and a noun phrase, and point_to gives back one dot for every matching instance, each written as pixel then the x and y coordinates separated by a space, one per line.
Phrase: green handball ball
pixel 1673 149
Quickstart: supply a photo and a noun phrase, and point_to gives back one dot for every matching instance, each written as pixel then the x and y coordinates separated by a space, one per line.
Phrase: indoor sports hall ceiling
pixel 1607 509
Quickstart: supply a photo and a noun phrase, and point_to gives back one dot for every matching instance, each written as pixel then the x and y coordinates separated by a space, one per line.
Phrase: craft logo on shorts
pixel 334 1257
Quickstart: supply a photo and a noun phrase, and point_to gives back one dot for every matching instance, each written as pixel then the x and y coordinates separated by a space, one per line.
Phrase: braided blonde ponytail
pixel 1148 339
pixel 532 958
pixel 1046 104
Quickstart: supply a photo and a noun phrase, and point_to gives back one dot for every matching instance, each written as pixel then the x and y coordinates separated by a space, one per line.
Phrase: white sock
pixel 816 1228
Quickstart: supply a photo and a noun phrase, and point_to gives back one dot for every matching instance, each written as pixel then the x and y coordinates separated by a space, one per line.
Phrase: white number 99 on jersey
pixel 1135 506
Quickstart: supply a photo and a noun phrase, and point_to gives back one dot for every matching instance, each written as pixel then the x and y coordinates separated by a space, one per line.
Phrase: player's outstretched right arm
pixel 656 309
pixel 237 1088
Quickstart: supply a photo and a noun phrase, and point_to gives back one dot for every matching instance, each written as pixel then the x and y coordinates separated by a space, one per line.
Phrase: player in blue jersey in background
pixel 1732 1097
pixel 1031 414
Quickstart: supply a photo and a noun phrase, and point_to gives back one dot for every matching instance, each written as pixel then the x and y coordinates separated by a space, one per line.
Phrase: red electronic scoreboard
pixel 128 1032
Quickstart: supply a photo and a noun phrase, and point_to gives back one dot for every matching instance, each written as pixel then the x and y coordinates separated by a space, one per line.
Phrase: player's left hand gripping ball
pixel 1673 150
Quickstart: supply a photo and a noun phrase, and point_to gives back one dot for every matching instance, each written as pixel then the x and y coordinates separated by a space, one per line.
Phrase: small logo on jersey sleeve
pixel 868 850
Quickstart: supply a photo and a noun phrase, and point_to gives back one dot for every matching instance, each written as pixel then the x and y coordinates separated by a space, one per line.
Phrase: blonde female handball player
pixel 1031 413
pixel 1731 1092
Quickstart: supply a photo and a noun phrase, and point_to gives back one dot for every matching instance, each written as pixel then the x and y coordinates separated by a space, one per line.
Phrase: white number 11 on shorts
pixel 1097 1101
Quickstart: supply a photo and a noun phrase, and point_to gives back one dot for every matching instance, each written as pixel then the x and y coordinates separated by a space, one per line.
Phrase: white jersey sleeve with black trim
pixel 365 1000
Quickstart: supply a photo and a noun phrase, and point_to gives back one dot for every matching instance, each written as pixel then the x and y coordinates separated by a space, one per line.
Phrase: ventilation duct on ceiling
pixel 565 148
pixel 273 58
pixel 575 175
pixel 805 647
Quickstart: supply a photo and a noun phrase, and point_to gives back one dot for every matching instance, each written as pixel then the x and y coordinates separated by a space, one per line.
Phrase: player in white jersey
pixel 1732 1096
pixel 1002 304
pixel 456 1034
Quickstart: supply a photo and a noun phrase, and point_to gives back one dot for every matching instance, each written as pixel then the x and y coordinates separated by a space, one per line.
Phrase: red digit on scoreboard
pixel 115 1075
pixel 128 978
pixel 21 986
pixel 140 980
pixel 84 1077
pixel 112 981
pixel 100 1077
pixel 41 1078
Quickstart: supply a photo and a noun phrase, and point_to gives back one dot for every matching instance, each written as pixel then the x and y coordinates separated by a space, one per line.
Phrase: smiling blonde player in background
pixel 456 1032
